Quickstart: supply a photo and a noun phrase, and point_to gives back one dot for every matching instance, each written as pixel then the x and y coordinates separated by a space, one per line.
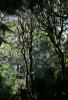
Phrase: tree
pixel 33 49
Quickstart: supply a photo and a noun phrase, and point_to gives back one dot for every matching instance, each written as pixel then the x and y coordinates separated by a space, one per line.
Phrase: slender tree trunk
pixel 62 63
pixel 30 56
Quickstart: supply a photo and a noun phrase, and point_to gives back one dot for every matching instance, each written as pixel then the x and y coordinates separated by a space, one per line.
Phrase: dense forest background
pixel 33 49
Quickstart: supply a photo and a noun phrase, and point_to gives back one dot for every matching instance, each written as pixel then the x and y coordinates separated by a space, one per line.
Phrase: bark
pixel 30 56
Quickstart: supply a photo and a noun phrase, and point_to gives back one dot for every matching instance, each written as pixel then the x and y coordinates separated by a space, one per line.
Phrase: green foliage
pixel 34 48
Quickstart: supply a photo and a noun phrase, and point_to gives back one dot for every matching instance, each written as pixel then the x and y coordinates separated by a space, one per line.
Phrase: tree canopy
pixel 33 49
